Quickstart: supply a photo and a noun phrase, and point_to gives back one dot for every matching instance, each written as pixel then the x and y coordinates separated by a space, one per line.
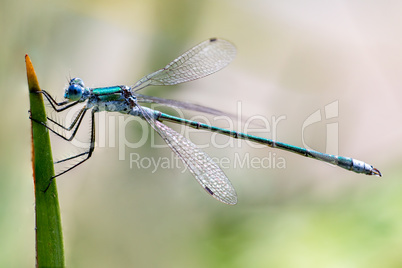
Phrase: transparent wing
pixel 182 105
pixel 190 106
pixel 203 168
pixel 204 59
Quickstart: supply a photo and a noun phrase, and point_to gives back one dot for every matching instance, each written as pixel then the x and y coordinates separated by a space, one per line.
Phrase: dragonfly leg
pixel 79 115
pixel 76 122
pixel 66 104
pixel 87 153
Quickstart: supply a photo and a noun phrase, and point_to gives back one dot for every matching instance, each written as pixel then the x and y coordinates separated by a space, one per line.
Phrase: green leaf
pixel 49 236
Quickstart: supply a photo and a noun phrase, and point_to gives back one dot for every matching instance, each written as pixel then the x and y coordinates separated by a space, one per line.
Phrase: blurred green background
pixel 293 59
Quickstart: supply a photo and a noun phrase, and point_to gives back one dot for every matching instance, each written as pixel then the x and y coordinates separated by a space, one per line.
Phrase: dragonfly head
pixel 76 90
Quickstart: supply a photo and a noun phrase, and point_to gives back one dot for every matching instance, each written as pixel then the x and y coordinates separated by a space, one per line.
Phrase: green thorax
pixel 108 93
pixel 106 90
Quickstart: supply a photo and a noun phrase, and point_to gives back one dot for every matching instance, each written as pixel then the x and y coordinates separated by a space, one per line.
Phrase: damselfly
pixel 206 58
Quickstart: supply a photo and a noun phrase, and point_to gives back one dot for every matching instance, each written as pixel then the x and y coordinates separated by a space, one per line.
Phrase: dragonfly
pixel 204 59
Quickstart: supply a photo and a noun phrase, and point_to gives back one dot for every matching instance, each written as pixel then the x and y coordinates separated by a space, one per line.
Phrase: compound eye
pixel 77 81
pixel 74 92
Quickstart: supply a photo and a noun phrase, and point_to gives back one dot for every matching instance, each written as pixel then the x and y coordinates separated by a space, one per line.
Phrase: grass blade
pixel 49 236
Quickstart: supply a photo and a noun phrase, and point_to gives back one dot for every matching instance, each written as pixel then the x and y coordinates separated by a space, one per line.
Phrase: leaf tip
pixel 33 83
